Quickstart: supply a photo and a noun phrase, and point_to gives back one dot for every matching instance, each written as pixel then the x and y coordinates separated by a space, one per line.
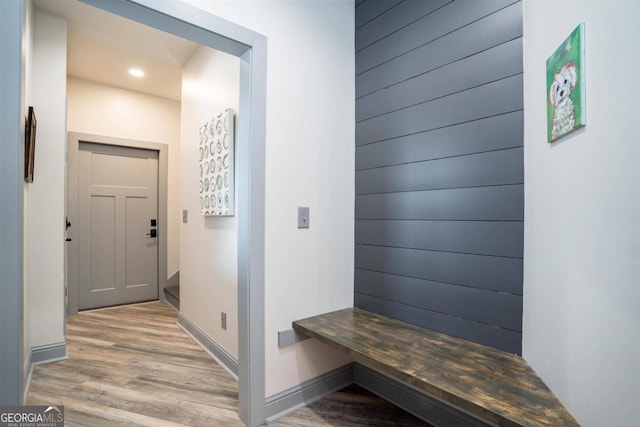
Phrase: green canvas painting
pixel 566 110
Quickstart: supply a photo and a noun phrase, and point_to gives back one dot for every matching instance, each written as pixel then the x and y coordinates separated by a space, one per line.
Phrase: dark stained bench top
pixel 496 387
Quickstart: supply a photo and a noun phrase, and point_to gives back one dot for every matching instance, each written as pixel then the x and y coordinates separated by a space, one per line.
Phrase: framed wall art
pixel 566 106
pixel 215 151
pixel 30 145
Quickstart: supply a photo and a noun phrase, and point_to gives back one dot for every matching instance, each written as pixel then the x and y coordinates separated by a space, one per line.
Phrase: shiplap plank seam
pixel 359 73
pixel 440 127
pixel 439 281
pixel 431 70
pixel 372 42
pixel 388 4
pixel 482 203
pixel 484 34
pixel 454 156
pixel 442 313
pixel 497 168
pixel 492 308
pixel 489 99
pixel 498 62
pixel 440 189
pixel 438 251
pixel 480 271
pixel 472 237
pixel 457 92
pixel 498 132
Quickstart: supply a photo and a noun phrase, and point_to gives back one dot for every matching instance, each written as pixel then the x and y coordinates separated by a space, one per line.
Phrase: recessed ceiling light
pixel 136 72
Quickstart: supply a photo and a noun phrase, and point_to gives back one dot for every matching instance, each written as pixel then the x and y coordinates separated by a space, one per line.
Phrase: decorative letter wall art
pixel 217 166
pixel 566 106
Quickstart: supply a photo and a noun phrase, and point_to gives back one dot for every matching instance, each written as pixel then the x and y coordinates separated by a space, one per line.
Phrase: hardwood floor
pixel 133 366
pixel 350 407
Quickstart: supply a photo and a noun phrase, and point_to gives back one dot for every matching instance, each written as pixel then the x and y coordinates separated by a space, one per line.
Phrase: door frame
pixel 12 104
pixel 74 139
pixel 202 27
pixel 250 47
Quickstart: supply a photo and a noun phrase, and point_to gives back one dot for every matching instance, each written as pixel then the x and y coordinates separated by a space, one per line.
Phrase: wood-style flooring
pixel 352 406
pixel 132 366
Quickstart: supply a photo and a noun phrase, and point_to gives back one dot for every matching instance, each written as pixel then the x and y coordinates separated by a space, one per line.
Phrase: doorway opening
pixel 196 25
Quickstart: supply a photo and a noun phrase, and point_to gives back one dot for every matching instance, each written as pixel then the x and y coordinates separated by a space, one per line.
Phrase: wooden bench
pixel 493 387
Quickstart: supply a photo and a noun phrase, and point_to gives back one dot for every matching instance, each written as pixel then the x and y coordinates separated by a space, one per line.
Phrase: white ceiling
pixel 102 47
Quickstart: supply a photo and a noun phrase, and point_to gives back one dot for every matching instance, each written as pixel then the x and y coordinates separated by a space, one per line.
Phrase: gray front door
pixel 117 207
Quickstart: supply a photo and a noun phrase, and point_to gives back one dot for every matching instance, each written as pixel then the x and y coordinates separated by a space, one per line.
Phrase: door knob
pixel 152 233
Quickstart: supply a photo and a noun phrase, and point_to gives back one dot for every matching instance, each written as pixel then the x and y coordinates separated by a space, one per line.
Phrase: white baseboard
pixel 308 392
pixel 215 350
pixel 48 353
pixel 40 355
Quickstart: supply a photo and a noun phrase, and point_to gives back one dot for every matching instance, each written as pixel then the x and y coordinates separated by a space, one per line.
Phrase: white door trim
pixel 73 143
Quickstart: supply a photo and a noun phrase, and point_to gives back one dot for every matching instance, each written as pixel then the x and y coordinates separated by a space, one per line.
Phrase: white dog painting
pixel 560 100
pixel 565 72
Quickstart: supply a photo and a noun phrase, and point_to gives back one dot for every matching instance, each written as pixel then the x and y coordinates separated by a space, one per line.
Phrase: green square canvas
pixel 566 86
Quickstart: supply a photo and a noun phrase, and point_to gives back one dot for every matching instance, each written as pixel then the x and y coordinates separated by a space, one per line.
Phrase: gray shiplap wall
pixel 439 165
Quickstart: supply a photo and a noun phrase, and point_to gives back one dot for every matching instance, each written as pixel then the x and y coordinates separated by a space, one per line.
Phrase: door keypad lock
pixel 153 232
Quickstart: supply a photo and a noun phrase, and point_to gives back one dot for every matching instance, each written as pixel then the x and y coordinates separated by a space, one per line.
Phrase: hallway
pixel 132 365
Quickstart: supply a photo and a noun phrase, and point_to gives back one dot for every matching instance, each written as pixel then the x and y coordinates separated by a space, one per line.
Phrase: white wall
pixel 45 196
pixel 208 245
pixel 309 162
pixel 106 110
pixel 582 216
